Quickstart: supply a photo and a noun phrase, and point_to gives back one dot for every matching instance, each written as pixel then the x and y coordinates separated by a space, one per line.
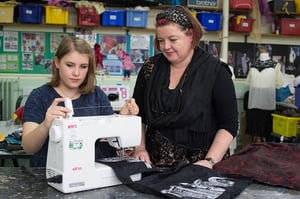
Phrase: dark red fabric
pixel 275 164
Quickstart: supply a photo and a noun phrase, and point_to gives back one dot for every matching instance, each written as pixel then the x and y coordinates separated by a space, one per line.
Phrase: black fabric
pixel 161 112
pixel 261 65
pixel 182 181
pixel 259 123
pixel 275 164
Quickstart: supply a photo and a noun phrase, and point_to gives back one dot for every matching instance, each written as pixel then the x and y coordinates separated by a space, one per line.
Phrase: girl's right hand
pixel 54 111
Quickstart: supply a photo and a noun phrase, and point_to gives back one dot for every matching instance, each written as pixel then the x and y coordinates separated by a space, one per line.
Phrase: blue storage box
pixel 113 18
pixel 30 13
pixel 136 18
pixel 210 20
pixel 297 96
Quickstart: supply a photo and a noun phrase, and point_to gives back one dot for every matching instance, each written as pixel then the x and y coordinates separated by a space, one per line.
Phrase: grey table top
pixel 21 182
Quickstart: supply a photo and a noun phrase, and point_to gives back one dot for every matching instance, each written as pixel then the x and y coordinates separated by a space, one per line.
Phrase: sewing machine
pixel 71 165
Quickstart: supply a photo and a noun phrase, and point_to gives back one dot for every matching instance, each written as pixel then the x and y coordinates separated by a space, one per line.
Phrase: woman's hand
pixel 55 111
pixel 130 108
pixel 204 163
pixel 141 153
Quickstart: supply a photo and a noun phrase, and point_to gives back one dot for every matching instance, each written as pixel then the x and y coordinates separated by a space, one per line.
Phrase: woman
pixel 73 77
pixel 186 97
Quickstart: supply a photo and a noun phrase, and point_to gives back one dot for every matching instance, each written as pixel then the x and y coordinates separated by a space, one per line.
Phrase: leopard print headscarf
pixel 175 14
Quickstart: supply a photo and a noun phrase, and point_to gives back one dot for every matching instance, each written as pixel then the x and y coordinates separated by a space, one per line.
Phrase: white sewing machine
pixel 71 165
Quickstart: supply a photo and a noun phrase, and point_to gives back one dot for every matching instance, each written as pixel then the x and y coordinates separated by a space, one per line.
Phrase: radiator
pixel 9 89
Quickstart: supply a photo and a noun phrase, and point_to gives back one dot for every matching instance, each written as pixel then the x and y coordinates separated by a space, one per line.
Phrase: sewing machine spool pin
pixel 69 105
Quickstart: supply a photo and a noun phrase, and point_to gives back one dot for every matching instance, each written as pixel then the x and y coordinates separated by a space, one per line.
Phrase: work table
pixel 23 182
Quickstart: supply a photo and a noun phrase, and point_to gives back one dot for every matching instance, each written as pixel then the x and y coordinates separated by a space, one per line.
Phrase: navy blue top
pixel 92 104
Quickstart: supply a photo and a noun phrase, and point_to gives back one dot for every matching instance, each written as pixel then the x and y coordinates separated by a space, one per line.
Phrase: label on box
pixel 112 17
pixel 204 3
pixel 245 24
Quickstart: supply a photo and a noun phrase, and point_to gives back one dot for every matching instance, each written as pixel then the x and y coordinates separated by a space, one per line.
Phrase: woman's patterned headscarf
pixel 176 15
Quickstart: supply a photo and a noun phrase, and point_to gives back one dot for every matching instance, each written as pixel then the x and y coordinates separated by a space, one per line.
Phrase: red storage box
pixel 242 25
pixel 241 4
pixel 87 16
pixel 289 26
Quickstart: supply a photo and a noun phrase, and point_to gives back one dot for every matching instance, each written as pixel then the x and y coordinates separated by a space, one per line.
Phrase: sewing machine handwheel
pixel 55 134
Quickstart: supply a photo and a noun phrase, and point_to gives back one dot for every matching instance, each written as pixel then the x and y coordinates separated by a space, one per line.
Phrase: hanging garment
pixel 182 181
pixel 275 164
pixel 263 79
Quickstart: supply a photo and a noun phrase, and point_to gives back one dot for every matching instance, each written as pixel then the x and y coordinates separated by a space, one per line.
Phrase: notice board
pixel 28 52
pixel 33 52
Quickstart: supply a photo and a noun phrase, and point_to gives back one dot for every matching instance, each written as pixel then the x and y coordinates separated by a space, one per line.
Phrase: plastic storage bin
pixel 30 13
pixel 113 18
pixel 289 26
pixel 56 15
pixel 136 18
pixel 87 16
pixel 285 126
pixel 297 4
pixel 241 4
pixel 281 6
pixel 297 96
pixel 241 25
pixel 210 20
pixel 6 13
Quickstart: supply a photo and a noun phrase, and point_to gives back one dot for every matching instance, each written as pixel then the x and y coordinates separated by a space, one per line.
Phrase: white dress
pixel 262 87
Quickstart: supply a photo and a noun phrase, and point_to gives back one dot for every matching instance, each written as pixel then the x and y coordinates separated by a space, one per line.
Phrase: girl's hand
pixel 130 108
pixel 55 111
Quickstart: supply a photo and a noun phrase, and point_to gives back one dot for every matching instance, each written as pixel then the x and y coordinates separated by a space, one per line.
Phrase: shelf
pixel 64 26
pixel 275 35
pixel 284 13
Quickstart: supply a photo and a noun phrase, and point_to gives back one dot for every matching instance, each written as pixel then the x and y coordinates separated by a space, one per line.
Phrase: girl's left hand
pixel 130 108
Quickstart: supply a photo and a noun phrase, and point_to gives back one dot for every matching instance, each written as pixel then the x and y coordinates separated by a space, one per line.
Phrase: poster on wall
pixel 110 46
pixel 33 49
pixel 10 42
pixel 9 57
pixel 241 56
pixel 213 47
pixel 28 52
pixel 87 35
pixel 288 56
pixel 140 50
pixel 55 39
